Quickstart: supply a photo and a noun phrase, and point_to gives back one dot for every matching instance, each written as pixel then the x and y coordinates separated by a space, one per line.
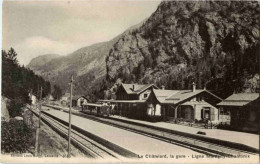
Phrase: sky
pixel 61 27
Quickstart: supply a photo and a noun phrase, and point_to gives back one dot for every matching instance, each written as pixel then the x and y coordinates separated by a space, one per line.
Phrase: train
pixel 98 109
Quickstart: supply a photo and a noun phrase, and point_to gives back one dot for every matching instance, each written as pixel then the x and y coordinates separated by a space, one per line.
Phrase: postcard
pixel 130 81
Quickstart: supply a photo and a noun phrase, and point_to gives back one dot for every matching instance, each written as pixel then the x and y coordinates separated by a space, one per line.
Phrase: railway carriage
pixel 96 109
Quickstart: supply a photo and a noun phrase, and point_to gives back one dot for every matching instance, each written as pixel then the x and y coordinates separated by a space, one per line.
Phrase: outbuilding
pixel 77 101
pixel 243 110
pixel 33 98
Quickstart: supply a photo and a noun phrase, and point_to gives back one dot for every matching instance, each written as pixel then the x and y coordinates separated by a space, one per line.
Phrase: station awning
pixel 92 104
pixel 233 103
pixel 124 101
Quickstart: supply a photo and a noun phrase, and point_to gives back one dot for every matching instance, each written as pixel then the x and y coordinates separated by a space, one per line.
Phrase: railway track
pixel 84 143
pixel 213 147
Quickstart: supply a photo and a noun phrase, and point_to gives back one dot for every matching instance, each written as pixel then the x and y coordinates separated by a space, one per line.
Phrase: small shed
pixel 32 98
pixel 50 98
pixel 77 101
pixel 65 97
pixel 243 109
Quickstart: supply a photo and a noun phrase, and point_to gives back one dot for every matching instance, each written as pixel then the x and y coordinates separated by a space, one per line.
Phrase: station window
pixel 199 98
pixel 224 111
pixel 145 95
pixel 162 110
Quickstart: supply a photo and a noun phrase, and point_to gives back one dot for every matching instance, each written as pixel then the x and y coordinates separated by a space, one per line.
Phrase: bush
pixel 16 137
pixel 224 126
pixel 15 106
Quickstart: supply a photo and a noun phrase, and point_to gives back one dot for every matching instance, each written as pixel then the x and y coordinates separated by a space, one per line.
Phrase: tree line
pixel 18 81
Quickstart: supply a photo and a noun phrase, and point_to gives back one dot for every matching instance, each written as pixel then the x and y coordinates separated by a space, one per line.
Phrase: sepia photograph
pixel 130 81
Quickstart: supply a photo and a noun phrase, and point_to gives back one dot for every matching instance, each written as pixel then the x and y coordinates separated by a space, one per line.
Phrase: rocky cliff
pixel 214 43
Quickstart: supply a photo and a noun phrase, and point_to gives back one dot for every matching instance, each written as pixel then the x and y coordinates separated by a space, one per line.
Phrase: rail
pixel 92 145
pixel 204 144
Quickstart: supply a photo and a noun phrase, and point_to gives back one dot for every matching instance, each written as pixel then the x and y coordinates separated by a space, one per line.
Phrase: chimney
pixel 133 87
pixel 163 87
pixel 193 87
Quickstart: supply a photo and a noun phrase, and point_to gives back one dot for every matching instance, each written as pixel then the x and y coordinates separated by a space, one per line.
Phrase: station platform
pixel 148 149
pixel 248 139
pixel 134 142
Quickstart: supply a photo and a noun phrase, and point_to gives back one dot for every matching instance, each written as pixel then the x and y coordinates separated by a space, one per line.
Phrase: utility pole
pixel 38 128
pixel 71 87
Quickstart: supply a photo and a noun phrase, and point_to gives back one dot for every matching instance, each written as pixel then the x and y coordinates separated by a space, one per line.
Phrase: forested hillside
pixel 18 82
pixel 213 43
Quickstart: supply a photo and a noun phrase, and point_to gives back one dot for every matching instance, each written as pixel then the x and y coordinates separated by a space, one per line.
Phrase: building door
pixel 150 110
pixel 187 112
pixel 81 102
pixel 205 113
pixel 157 111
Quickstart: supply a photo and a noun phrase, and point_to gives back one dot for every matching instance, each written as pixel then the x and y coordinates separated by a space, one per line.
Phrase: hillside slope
pixel 87 62
pixel 39 61
pixel 87 65
pixel 214 43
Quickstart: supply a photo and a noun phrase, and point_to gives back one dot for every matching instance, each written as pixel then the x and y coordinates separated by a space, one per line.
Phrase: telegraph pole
pixel 38 128
pixel 71 87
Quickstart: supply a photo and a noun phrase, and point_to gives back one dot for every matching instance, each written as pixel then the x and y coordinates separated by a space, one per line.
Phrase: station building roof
pixel 77 97
pixel 239 99
pixel 198 103
pixel 136 88
pixel 177 96
pixel 123 101
pixel 92 104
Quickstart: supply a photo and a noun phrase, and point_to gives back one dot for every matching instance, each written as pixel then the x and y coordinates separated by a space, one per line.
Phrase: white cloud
pixel 61 27
pixel 38 45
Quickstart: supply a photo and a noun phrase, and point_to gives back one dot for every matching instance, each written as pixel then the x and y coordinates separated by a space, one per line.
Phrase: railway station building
pixel 243 110
pixel 150 102
pixel 134 91
pixel 131 98
pixel 196 105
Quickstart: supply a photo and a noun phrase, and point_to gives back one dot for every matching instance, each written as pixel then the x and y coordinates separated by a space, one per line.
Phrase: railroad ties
pixel 81 141
pixel 205 145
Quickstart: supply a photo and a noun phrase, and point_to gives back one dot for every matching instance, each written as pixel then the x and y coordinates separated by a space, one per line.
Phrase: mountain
pixel 87 65
pixel 41 60
pixel 212 43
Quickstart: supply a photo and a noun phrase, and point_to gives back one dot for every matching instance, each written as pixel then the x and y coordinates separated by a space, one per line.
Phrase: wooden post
pixel 176 112
pixel 69 131
pixel 40 108
pixel 36 142
pixel 38 128
pixel 164 112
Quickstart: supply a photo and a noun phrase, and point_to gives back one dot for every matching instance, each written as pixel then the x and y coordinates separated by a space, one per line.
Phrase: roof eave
pixel 146 88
